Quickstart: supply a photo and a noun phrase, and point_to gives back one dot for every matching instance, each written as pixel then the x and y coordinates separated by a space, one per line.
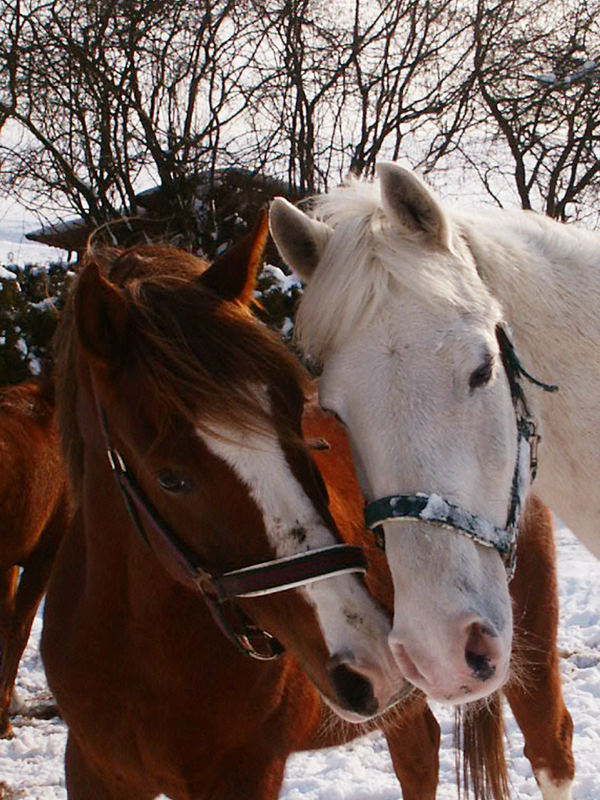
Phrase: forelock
pixel 368 260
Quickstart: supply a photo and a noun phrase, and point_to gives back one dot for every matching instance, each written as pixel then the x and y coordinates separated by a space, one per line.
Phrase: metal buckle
pixel 510 561
pixel 318 444
pixel 379 534
pixel 115 460
pixel 528 430
pixel 273 649
pixel 205 585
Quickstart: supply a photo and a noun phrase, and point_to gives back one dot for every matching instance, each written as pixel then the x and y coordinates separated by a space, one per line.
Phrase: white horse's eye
pixel 483 373
pixel 172 482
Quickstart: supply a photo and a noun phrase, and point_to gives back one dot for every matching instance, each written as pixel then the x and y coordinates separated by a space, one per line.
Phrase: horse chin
pixel 360 719
pixel 347 715
pixel 459 695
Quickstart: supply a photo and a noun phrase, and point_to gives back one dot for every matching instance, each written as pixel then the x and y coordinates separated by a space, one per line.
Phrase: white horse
pixel 407 307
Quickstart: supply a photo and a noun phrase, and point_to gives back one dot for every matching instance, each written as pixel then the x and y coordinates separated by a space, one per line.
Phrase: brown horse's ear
pixel 101 315
pixel 233 275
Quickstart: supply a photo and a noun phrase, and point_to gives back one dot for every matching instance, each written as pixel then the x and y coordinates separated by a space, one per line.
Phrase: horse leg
pixel 249 773
pixel 9 580
pixel 83 783
pixel 30 591
pixel 413 737
pixel 536 697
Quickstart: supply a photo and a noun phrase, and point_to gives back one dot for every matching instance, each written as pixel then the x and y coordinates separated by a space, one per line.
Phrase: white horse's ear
pixel 299 239
pixel 409 201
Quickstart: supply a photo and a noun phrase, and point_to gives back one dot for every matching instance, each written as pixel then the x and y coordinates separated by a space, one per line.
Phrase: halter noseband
pixel 435 510
pixel 219 590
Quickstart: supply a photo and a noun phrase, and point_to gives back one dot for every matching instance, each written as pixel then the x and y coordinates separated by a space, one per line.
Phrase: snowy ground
pixel 15 222
pixel 31 764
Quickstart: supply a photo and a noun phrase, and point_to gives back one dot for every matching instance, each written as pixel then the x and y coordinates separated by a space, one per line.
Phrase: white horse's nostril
pixel 482 651
pixel 466 660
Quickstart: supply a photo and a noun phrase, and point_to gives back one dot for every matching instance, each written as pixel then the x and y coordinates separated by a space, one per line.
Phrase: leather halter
pixel 435 510
pixel 219 590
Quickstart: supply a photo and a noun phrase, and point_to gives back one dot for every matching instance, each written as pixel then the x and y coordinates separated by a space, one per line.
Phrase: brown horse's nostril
pixel 354 691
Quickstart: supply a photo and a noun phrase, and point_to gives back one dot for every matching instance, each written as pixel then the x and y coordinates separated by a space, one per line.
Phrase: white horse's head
pixel 406 333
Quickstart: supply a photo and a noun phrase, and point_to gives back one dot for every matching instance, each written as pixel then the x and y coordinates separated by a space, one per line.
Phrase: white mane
pixel 367 259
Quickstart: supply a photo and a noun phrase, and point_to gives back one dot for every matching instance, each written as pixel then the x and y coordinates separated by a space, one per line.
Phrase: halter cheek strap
pixel 435 510
pixel 220 590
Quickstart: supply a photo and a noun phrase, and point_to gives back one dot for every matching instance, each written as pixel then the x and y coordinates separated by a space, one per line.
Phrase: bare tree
pixel 9 61
pixel 539 101
pixel 349 83
pixel 113 95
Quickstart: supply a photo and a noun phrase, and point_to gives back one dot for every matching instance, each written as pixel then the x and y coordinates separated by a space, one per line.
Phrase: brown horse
pixel 199 408
pixel 34 516
pixel 208 495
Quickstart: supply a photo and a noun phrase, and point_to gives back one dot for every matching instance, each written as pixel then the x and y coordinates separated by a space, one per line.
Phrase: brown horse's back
pixel 34 512
pixel 31 475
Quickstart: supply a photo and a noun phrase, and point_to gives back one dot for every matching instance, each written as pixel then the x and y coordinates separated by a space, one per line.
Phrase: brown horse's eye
pixel 483 373
pixel 175 483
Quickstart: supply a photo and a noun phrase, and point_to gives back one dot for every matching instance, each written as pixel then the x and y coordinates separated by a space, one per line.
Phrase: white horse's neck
pixel 546 277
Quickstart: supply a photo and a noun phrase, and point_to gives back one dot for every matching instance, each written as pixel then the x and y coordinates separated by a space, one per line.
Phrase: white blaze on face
pixel 349 619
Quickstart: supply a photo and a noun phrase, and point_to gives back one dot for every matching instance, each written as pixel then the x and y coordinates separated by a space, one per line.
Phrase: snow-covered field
pixel 31 764
pixel 15 222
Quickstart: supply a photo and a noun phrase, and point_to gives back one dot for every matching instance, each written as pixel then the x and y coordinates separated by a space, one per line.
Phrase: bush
pixel 30 298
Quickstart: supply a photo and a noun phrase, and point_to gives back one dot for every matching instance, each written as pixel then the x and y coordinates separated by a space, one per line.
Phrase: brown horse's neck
pixel 345 498
pixel 33 398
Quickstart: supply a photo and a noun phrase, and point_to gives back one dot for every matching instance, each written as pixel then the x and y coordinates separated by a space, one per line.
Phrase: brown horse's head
pixel 204 406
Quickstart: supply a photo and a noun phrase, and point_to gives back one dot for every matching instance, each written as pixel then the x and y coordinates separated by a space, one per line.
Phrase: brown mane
pixel 194 351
